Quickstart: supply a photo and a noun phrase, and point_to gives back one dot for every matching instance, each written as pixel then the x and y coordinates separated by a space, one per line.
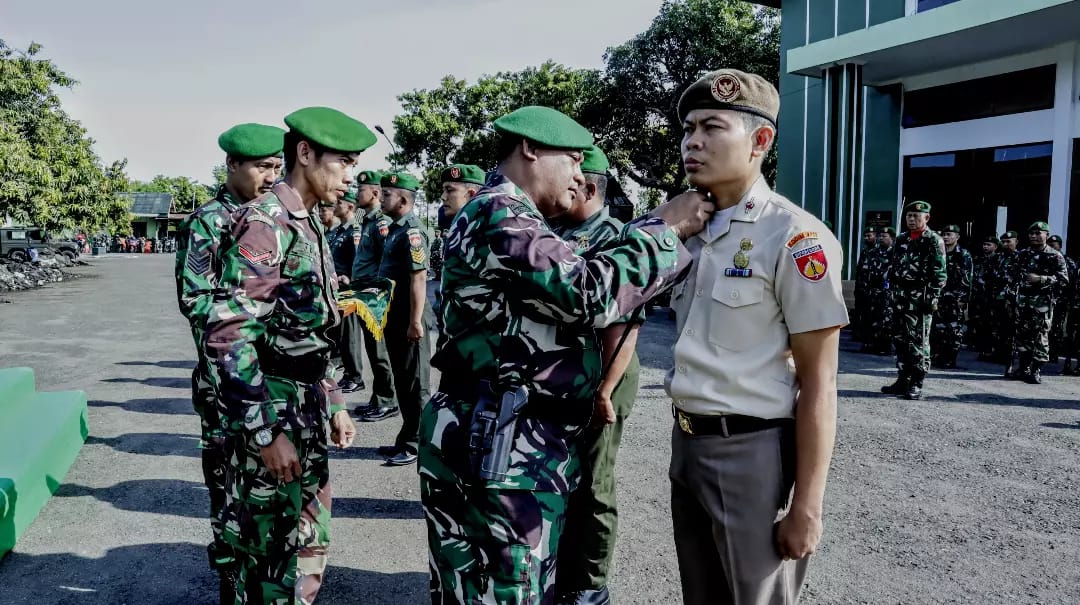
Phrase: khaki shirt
pixel 772 270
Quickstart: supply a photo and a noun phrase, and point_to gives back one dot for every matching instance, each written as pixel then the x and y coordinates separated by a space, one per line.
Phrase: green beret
pixel 1039 226
pixel 732 89
pixel 869 230
pixel 1009 235
pixel 595 161
pixel 1054 239
pixel 463 173
pixel 252 141
pixel 888 230
pixel 951 229
pixel 326 204
pixel 828 224
pixel 350 195
pixel 331 129
pixel 991 239
pixel 400 180
pixel 545 126
pixel 369 177
pixel 917 206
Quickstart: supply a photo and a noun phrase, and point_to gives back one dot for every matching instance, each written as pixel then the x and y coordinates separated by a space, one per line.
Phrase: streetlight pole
pixel 380 130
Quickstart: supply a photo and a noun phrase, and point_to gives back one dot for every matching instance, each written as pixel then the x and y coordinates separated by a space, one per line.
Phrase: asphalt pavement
pixel 969 496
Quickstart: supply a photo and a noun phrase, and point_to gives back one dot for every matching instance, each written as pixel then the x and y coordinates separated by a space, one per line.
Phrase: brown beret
pixel 732 89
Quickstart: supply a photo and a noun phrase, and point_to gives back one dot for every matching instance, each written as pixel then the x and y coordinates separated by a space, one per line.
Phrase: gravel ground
pixel 965 497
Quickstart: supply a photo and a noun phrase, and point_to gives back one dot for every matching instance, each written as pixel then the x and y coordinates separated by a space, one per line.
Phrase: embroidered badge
pixel 583 242
pixel 418 255
pixel 455 173
pixel 393 179
pixel 414 238
pixel 725 88
pixel 363 177
pixel 798 237
pixel 384 228
pixel 198 262
pixel 293 264
pixel 254 256
pixel 811 262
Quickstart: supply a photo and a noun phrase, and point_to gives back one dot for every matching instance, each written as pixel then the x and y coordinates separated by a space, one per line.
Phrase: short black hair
pixel 292 139
pixel 506 145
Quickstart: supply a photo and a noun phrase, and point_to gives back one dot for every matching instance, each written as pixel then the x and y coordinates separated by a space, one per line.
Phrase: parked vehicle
pixel 16 242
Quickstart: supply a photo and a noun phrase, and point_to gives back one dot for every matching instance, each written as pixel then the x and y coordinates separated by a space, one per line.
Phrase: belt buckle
pixel 684 423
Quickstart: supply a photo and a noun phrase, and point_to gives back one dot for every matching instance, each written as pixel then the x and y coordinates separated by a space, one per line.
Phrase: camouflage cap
pixel 991 239
pixel 400 180
pixel 331 129
pixel 917 206
pixel 252 141
pixel 1009 235
pixel 1054 239
pixel 1039 226
pixel 462 173
pixel 546 126
pixel 732 89
pixel 595 161
pixel 951 229
pixel 888 230
pixel 369 177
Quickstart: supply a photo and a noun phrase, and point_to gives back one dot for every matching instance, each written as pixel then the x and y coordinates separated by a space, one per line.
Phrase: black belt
pixel 725 425
pixel 309 369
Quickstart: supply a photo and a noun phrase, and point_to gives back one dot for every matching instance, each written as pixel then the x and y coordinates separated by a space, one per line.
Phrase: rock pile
pixel 23 276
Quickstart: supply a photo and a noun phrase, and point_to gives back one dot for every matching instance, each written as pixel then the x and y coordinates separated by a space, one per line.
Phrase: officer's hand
pixel 687 213
pixel 798 534
pixel 342 429
pixel 280 459
pixel 416 332
pixel 603 411
pixel 1032 278
pixel 343 279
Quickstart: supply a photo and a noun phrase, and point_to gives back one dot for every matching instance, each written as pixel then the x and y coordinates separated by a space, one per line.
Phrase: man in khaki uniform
pixel 758 338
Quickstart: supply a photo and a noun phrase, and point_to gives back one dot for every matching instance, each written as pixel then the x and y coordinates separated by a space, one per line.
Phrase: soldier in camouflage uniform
pixel 950 318
pixel 369 238
pixel 349 334
pixel 1038 273
pixel 267 340
pixel 860 323
pixel 253 162
pixel 409 318
pixel 980 328
pixel 521 310
pixel 879 339
pixel 460 183
pixel 588 541
pixel 916 277
pixel 1071 347
pixel 1003 310
pixel 1061 305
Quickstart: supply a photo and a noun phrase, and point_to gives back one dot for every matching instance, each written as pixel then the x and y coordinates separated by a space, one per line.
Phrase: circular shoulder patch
pixel 725 88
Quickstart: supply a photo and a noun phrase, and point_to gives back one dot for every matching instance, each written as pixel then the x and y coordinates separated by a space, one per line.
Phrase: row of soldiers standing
pixel 1020 308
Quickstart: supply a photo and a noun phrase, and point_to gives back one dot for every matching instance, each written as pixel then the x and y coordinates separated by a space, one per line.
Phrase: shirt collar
pixel 291 200
pixel 747 210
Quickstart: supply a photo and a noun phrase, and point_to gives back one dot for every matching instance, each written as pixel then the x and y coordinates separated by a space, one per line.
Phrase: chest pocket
pixel 734 317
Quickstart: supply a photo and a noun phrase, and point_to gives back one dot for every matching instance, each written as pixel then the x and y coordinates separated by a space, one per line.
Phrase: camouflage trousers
pixel 1004 323
pixel 1033 332
pixel 1071 348
pixel 949 326
pixel 912 334
pixel 860 321
pixel 592 516
pixel 279 531
pixel 1059 331
pixel 215 461
pixel 491 545
pixel 879 322
pixel 980 326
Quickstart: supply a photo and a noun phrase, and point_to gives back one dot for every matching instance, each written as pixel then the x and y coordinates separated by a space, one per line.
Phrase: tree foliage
pixel 49 174
pixel 187 193
pixel 630 105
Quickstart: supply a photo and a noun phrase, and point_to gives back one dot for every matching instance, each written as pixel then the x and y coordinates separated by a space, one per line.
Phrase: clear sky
pixel 158 81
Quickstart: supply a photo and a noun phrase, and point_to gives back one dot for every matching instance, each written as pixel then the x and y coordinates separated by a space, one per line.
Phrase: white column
pixel 1061 169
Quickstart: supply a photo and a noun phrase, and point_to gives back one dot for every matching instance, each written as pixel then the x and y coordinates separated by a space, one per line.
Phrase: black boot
pixel 1067 369
pixel 914 390
pixel 897 388
pixel 1010 369
pixel 227 577
pixel 1034 373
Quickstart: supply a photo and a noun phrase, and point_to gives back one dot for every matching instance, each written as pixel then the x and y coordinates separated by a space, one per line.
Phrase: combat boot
pixel 897 388
pixel 1034 373
pixel 914 390
pixel 1067 369
pixel 228 575
pixel 1010 369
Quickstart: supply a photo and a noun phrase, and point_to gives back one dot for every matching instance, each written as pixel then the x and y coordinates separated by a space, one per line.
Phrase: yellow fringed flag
pixel 371 303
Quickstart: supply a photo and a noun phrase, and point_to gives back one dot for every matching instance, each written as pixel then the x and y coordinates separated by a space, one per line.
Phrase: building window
pixel 1023 152
pixel 940 160
pixel 1004 94
pixel 925 5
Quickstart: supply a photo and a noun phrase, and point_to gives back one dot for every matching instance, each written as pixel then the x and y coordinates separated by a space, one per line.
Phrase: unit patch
pixel 798 237
pixel 811 262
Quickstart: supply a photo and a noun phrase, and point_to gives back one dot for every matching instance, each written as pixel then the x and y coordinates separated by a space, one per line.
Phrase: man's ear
pixel 590 190
pixel 528 151
pixel 304 153
pixel 764 137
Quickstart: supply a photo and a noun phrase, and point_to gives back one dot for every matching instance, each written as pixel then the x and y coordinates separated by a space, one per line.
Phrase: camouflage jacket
pixel 368 239
pixel 1048 263
pixel 917 268
pixel 521 308
pixel 982 266
pixel 862 269
pixel 1066 293
pixel 877 269
pixel 198 264
pixel 999 278
pixel 958 267
pixel 273 321
pixel 342 249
